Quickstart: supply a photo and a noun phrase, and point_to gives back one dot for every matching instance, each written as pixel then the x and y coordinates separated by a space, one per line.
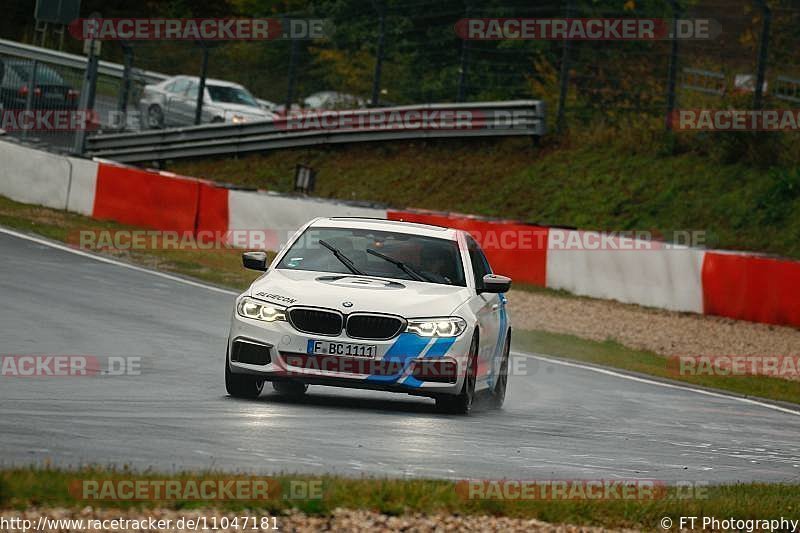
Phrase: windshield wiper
pixel 402 266
pixel 342 258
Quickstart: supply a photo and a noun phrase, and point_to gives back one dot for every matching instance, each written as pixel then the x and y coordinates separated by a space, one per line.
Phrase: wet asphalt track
pixel 559 421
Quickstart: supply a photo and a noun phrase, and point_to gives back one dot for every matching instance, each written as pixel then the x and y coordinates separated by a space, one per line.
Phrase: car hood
pixel 366 293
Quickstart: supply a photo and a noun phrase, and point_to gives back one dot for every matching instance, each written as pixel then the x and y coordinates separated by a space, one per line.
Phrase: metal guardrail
pixel 704 81
pixel 787 88
pixel 517 117
pixel 64 59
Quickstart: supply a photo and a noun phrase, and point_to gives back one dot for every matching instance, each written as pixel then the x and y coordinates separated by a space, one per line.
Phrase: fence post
pixel 291 75
pixel 673 66
pixel 31 92
pixel 125 85
pixel 87 95
pixel 376 80
pixel 563 76
pixel 201 90
pixel 763 47
pixel 462 70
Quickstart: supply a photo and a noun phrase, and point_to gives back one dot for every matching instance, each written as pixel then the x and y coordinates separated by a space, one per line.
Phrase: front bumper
pixel 407 363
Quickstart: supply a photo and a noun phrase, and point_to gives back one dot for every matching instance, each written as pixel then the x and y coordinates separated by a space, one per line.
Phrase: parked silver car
pixel 329 100
pixel 173 102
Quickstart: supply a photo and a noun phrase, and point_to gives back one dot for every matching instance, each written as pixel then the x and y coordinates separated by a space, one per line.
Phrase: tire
pixel 461 404
pixel 498 394
pixel 294 389
pixel 155 117
pixel 242 385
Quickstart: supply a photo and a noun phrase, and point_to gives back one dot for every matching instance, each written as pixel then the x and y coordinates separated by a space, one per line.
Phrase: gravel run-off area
pixel 664 332
pixel 339 520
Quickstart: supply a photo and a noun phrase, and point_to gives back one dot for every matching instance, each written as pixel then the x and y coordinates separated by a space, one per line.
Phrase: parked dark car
pixel 50 92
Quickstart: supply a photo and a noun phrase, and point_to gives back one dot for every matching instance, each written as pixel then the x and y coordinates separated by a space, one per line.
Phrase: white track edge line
pixel 591 368
pixel 111 261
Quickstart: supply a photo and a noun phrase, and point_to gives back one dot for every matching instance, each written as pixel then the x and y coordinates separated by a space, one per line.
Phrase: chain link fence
pixel 40 81
pixel 390 52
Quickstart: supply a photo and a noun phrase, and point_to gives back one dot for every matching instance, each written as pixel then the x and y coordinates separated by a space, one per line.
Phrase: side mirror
pixel 255 260
pixel 495 283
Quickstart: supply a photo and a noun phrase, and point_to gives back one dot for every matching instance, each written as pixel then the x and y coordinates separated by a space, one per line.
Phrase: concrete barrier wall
pixel 212 209
pixel 755 288
pixel 148 199
pixel 513 249
pixel 630 272
pixel 82 186
pixel 280 215
pixel 34 177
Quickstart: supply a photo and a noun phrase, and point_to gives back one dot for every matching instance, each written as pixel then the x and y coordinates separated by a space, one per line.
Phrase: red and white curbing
pixel 736 285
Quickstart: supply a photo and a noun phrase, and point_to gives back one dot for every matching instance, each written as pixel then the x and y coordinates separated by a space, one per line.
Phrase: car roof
pixel 26 63
pixel 209 81
pixel 382 224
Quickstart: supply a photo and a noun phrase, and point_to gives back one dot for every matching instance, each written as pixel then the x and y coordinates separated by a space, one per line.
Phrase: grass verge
pixel 223 267
pixel 26 487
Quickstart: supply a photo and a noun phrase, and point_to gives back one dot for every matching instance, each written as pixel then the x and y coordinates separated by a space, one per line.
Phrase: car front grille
pixel 376 327
pixel 316 321
pixel 251 353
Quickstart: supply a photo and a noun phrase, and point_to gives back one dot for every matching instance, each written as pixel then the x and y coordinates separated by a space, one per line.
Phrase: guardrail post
pixel 563 76
pixel 763 47
pixel 673 66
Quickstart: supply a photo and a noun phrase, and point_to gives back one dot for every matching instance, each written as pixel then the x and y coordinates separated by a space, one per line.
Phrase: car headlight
pixel 437 327
pixel 238 119
pixel 256 310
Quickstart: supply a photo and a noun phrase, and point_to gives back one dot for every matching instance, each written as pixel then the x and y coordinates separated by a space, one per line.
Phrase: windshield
pixel 432 259
pixel 44 74
pixel 231 95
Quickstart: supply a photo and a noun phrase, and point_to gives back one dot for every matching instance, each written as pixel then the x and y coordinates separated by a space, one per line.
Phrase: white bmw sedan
pixel 374 304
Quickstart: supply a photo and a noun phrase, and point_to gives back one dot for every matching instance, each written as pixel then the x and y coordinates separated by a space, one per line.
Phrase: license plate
pixel 344 349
